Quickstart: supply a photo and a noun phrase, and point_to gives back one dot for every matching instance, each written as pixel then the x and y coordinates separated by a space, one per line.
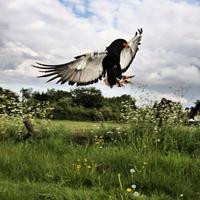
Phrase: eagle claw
pixel 120 83
pixel 124 80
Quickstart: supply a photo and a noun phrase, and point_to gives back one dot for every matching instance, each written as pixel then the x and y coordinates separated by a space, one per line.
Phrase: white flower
pixel 181 195
pixel 132 171
pixel 136 194
pixel 133 186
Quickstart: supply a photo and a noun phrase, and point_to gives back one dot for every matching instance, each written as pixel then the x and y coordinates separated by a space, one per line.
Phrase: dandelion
pixel 129 190
pixel 132 171
pixel 133 186
pixel 136 194
pixel 158 140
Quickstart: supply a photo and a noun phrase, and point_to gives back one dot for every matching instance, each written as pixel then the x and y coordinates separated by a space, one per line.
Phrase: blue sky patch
pixel 80 10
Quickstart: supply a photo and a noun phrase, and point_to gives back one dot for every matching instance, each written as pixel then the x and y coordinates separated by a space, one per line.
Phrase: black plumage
pixel 111 63
pixel 89 68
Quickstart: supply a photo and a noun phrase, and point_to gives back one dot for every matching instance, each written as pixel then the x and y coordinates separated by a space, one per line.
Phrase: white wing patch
pixel 128 54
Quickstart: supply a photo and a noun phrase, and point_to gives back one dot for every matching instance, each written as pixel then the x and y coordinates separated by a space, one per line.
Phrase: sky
pixel 54 31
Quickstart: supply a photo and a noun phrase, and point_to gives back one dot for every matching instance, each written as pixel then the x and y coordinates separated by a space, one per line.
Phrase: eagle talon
pixel 125 80
pixel 120 83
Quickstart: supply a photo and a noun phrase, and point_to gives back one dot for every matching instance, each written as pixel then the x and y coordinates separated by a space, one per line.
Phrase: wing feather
pixel 84 70
pixel 128 54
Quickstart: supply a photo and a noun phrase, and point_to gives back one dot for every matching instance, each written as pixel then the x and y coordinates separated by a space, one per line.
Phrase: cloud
pixel 54 31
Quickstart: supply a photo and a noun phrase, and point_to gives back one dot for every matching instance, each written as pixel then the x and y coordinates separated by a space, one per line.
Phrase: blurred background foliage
pixel 88 104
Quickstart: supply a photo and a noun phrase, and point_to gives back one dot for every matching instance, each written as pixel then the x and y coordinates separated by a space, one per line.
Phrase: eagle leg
pixel 127 77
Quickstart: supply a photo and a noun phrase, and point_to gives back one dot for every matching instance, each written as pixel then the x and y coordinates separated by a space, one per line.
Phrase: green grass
pixel 74 126
pixel 70 161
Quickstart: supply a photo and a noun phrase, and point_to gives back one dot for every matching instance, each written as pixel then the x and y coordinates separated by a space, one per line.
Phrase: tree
pixel 40 96
pixel 168 111
pixel 194 110
pixel 197 105
pixel 51 95
pixel 87 97
pixel 26 93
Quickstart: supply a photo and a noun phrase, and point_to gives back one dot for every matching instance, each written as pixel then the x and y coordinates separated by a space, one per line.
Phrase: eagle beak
pixel 125 44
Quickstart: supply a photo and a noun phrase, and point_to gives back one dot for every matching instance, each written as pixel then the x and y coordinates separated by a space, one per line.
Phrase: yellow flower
pixel 129 190
pixel 78 167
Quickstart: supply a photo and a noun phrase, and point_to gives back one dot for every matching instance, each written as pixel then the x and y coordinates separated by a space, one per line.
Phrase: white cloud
pixel 23 70
pixel 52 32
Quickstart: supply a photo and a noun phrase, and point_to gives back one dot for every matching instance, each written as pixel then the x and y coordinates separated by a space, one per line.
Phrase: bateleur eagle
pixel 91 67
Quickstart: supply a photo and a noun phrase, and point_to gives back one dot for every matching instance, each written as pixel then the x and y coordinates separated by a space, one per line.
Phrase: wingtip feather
pixel 140 30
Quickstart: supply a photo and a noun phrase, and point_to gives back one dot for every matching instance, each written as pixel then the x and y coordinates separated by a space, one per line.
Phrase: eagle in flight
pixel 91 67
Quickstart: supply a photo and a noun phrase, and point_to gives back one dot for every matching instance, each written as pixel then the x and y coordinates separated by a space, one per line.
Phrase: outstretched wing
pixel 85 69
pixel 128 54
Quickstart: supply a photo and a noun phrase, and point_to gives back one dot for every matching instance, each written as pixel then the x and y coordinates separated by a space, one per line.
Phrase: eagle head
pixel 116 46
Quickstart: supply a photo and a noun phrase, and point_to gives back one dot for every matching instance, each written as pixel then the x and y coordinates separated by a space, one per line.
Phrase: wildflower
pixel 133 186
pixel 181 195
pixel 145 163
pixel 136 194
pixel 99 141
pixel 158 140
pixel 78 167
pixel 129 190
pixel 132 171
pixel 89 167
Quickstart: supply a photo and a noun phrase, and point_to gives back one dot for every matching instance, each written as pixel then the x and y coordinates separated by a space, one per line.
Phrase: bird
pixel 89 68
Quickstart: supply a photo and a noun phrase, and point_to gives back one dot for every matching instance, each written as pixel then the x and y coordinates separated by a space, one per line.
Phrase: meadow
pixel 97 161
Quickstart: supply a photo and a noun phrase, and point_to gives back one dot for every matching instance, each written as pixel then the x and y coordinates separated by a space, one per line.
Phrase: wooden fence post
pixel 30 128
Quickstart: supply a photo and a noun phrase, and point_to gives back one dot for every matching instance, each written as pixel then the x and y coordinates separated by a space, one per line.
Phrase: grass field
pixel 95 161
